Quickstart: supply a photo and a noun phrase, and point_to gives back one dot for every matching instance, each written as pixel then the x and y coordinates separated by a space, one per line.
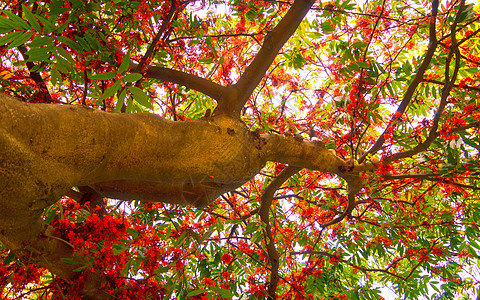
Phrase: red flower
pixel 227 258
pixel 208 282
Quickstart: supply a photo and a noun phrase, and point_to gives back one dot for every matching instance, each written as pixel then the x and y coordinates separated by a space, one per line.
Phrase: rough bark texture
pixel 46 149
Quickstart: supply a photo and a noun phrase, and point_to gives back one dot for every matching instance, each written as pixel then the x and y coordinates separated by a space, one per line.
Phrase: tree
pixel 260 149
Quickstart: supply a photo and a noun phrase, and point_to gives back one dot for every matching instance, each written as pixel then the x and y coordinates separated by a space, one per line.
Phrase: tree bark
pixel 46 149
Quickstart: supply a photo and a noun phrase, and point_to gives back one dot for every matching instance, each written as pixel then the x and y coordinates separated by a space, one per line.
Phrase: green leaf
pixel 41 40
pixel 19 22
pixel 161 270
pixel 10 37
pixel 31 19
pixel 9 258
pixel 194 42
pixel 474 244
pixel 125 63
pixel 206 60
pixel 62 65
pixel 128 265
pixel 467 14
pixel 195 293
pixel 79 269
pixel 251 15
pixel 39 54
pixel 359 45
pixel 120 100
pixel 129 105
pixel 21 40
pixel 48 24
pixel 472 71
pixel 50 215
pixel 70 261
pixel 76 4
pixel 70 43
pixel 132 77
pixel 133 232
pixel 93 6
pixel 56 7
pixel 92 41
pixel 251 228
pixel 390 89
pixel 354 66
pixel 140 96
pixel 65 54
pixel 315 35
pixel 223 292
pixel 327 27
pixel 104 76
pixel 363 64
pixel 257 237
pixel 209 41
pixel 117 249
pixel 207 234
pixel 85 46
pixel 110 91
pixel 181 239
pixel 6 25
pixel 298 61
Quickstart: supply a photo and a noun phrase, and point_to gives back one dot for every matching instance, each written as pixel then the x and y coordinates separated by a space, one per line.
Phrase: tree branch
pixel 151 48
pixel 295 151
pixel 449 84
pixel 150 51
pixel 430 177
pixel 267 199
pixel 467 87
pixel 418 78
pixel 35 76
pixel 272 44
pixel 154 160
pixel 198 194
pixel 363 269
pixel 205 86
pixel 224 35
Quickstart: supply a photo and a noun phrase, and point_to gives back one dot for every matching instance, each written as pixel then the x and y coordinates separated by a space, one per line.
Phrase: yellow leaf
pixel 5 74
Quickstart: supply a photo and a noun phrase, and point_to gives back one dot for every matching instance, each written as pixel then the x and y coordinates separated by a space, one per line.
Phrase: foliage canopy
pixel 391 88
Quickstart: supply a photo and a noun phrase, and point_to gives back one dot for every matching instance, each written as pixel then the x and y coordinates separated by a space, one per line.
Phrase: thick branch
pixel 215 153
pixel 272 44
pixel 348 211
pixel 134 156
pixel 314 156
pixel 295 151
pixel 205 86
pixel 292 150
pixel 198 194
